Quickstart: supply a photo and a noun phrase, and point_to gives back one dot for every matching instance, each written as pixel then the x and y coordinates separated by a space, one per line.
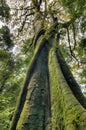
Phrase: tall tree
pixel 50 98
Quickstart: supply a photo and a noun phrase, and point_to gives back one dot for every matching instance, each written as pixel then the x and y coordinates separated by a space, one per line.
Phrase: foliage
pixel 4 10
pixel 75 8
pixel 6 37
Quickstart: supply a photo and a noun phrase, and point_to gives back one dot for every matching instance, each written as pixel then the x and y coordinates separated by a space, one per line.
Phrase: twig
pixel 74 37
pixel 69 40
pixel 24 21
pixel 71 51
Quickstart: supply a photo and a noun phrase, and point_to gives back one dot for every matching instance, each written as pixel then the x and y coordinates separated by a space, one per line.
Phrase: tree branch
pixel 71 51
pixel 24 21
pixel 74 37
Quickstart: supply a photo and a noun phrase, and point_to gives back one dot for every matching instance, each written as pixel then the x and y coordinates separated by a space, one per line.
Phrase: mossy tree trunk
pixel 47 100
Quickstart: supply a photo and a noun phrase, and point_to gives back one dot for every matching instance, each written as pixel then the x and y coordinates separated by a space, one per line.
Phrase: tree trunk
pixel 47 100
